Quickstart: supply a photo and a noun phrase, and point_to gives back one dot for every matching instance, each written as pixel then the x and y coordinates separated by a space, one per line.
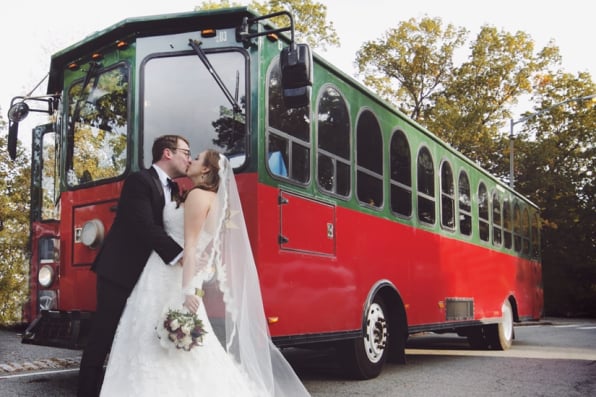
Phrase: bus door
pixel 306 225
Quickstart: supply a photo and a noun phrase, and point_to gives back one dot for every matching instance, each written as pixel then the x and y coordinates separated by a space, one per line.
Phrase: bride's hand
pixel 191 302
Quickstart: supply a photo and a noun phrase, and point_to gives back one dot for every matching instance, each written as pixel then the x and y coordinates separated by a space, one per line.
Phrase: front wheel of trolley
pixel 363 358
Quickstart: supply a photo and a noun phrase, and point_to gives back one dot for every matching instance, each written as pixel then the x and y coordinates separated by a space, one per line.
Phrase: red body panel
pixel 318 281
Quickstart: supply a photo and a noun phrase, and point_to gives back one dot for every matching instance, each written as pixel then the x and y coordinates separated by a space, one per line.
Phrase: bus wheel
pixel 364 358
pixel 500 336
pixel 476 338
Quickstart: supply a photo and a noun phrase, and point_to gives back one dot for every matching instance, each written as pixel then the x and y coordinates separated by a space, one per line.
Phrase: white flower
pixel 174 325
pixel 186 342
pixel 186 329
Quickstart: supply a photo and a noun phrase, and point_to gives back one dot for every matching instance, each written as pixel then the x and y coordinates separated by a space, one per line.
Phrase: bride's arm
pixel 196 207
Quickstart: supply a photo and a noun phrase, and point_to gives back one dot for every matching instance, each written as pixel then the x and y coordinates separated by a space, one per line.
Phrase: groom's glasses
pixel 186 152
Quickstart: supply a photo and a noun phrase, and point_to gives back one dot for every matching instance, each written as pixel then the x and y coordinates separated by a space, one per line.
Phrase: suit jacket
pixel 136 232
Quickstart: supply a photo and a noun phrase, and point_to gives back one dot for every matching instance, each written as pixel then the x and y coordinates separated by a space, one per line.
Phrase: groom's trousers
pixel 111 299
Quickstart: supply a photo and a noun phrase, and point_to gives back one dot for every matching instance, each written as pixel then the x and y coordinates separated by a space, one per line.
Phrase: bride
pixel 236 356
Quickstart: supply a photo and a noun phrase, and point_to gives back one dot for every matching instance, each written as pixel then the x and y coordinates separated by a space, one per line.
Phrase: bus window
pixel 497 222
pixel 401 175
pixel 447 197
pixel 525 232
pixel 483 225
pixel 50 183
pixel 426 187
pixel 369 160
pixel 288 133
pixel 333 151
pixel 465 207
pixel 535 236
pixel 195 106
pixel 97 136
pixel 517 232
pixel 507 223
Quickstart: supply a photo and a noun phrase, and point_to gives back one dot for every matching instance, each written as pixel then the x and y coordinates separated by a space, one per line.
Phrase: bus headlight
pixel 92 233
pixel 46 275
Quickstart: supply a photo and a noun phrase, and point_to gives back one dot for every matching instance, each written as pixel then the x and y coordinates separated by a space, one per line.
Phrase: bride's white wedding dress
pixel 139 366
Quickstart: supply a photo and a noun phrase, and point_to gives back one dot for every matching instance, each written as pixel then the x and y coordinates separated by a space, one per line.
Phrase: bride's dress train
pixel 139 366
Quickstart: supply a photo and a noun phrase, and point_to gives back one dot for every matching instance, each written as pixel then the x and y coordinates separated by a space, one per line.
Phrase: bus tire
pixel 500 336
pixel 477 338
pixel 363 358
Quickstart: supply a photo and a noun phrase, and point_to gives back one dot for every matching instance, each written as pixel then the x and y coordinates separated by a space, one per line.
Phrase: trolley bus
pixel 365 227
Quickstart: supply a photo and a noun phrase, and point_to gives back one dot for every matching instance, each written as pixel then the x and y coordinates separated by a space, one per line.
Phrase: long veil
pixel 233 298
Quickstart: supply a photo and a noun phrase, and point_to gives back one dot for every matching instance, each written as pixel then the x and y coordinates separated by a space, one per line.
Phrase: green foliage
pixel 14 232
pixel 555 163
pixel 414 66
pixel 310 18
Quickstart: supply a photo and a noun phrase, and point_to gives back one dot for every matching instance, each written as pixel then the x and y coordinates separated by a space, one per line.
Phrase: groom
pixel 136 232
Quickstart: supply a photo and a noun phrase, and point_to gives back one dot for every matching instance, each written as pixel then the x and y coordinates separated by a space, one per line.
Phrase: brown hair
pixel 211 180
pixel 164 142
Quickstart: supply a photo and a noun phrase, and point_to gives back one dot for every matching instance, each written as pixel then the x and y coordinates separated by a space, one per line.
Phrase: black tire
pixel 363 358
pixel 500 336
pixel 476 338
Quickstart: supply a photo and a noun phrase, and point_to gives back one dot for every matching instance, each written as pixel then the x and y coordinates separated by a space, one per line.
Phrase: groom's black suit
pixel 136 232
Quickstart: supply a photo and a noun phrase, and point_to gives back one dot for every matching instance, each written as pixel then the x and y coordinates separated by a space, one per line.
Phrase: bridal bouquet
pixel 181 329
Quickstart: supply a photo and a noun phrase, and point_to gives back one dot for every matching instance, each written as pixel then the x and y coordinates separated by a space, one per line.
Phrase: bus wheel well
pixel 513 303
pixel 398 324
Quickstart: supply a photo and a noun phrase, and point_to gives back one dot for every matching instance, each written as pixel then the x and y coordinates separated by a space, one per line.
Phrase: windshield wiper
pixel 196 45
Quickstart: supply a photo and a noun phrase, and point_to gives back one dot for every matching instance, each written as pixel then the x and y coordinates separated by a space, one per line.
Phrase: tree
pixel 555 163
pixel 310 19
pixel 411 62
pixel 14 230
pixel 414 67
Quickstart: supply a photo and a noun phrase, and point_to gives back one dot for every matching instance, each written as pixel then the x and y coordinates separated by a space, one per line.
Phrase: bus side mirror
pixel 296 75
pixel 16 113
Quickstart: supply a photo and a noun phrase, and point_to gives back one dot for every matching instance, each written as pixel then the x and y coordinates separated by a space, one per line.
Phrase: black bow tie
pixel 174 189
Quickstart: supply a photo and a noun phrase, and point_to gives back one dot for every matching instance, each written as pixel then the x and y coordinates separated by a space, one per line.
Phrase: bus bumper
pixel 68 330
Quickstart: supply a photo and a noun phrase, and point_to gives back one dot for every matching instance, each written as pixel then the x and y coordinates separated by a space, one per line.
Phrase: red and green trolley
pixel 365 227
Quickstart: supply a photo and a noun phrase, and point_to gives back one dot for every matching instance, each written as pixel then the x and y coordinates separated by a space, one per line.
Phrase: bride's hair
pixel 211 177
pixel 210 180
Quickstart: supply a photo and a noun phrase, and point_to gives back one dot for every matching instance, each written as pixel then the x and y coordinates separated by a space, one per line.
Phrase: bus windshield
pixel 180 96
pixel 96 140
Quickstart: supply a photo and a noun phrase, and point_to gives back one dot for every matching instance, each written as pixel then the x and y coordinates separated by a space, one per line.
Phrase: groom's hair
pixel 164 142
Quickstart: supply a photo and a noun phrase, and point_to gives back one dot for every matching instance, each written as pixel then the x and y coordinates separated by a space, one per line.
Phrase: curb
pixel 50 363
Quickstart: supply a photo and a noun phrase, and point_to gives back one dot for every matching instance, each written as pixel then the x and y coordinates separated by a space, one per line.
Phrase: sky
pixel 32 30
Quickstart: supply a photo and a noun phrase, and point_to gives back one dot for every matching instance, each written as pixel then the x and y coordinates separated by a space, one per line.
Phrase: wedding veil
pixel 233 297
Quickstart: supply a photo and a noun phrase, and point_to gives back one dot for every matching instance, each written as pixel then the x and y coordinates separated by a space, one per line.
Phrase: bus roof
pixel 142 26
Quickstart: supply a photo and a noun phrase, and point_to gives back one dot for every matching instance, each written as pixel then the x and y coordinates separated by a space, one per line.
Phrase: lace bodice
pixel 174 225
pixel 173 219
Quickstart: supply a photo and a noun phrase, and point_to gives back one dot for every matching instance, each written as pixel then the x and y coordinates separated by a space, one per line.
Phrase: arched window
pixel 497 221
pixel 483 224
pixel 447 197
pixel 517 230
pixel 525 232
pixel 288 130
pixel 369 160
pixel 401 174
pixel 507 223
pixel 536 236
pixel 465 206
pixel 426 187
pixel 333 151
